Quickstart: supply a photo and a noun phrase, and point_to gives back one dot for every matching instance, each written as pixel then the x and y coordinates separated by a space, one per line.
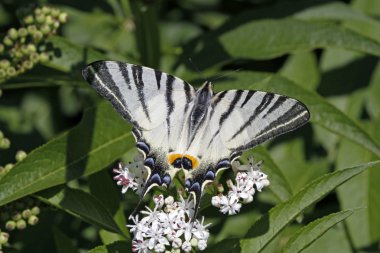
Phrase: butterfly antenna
pixel 195 67
pixel 226 74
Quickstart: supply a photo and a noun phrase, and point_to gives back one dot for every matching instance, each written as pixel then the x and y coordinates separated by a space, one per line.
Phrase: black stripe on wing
pixel 293 118
pixel 100 77
pixel 137 72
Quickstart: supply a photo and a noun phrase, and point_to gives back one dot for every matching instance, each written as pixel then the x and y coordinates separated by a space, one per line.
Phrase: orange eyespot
pixel 173 157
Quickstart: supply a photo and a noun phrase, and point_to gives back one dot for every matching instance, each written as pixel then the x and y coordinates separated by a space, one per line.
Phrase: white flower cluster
pixel 249 178
pixel 168 227
pixel 131 177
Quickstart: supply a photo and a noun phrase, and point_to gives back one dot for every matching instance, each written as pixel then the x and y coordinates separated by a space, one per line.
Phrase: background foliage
pixel 324 53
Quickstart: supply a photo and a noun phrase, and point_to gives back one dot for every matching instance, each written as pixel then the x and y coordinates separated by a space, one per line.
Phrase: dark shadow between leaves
pixel 261 227
pixel 348 78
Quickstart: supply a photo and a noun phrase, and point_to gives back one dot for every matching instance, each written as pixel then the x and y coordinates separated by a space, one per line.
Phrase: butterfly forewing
pixel 242 119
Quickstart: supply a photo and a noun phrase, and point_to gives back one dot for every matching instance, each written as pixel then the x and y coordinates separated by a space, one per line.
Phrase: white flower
pixel 215 200
pixel 177 242
pixel 202 244
pixel 161 228
pixel 139 246
pixel 186 246
pixel 159 201
pixel 249 178
pixel 230 205
pixel 131 177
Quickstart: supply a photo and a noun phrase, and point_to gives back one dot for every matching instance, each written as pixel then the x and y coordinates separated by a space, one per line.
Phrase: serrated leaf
pixel 313 231
pixel 321 111
pixel 269 225
pixel 267 39
pixel 101 137
pixel 81 204
pixel 116 247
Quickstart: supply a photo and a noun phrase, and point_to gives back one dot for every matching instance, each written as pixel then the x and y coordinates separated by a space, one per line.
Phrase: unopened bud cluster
pixel 20 155
pixel 17 216
pixel 22 48
pixel 4 142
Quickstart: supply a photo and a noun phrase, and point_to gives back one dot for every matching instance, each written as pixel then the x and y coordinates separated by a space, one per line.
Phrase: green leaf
pixel 362 191
pixel 267 39
pixel 116 247
pixel 101 137
pixel 69 57
pixel 309 77
pixel 269 225
pixel 63 243
pixel 314 230
pixel 147 33
pixel 279 186
pixel 321 111
pixel 80 204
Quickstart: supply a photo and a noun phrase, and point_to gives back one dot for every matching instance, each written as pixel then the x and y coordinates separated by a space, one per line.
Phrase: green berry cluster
pixel 18 215
pixel 20 155
pixel 22 48
pixel 4 142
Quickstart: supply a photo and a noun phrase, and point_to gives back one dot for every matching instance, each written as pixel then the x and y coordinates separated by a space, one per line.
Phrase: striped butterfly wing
pixel 243 119
pixel 239 120
pixel 155 103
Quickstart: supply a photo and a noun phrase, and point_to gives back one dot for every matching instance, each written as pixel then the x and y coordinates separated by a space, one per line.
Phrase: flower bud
pixel 44 57
pixel 45 29
pixel 1 48
pixel 31 29
pixel 56 24
pixel 33 220
pixel 7 41
pixel 49 20
pixel 34 57
pixel 28 64
pixel 11 71
pixel 16 216
pixel 29 19
pixel 40 18
pixel 194 242
pixel 22 32
pixel 20 155
pixel 36 210
pixel 10 225
pixel 3 74
pixel 8 166
pixel 46 10
pixel 12 33
pixel 37 36
pixel 169 200
pixel 62 17
pixel 3 238
pixel 4 64
pixel 55 13
pixel 21 224
pixel 5 143
pixel 26 213
pixel 1 135
pixel 31 48
pixel 220 188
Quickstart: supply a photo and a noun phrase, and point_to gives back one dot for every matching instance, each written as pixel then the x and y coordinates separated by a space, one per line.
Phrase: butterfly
pixel 178 127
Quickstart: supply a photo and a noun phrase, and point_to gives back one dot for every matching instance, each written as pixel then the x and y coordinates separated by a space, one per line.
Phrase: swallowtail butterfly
pixel 177 126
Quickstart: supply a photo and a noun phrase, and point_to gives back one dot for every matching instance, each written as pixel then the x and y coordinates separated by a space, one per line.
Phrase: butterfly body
pixel 178 127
